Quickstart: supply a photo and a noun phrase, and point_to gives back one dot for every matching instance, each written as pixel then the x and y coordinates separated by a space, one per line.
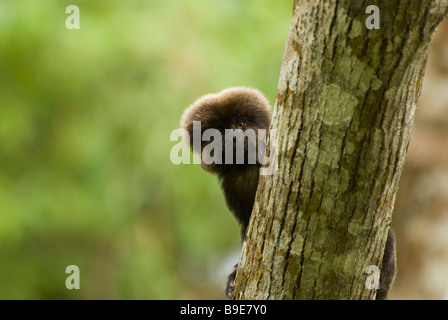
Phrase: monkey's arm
pixel 388 268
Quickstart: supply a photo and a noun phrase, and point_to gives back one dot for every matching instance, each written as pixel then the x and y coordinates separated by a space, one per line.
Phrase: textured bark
pixel 345 105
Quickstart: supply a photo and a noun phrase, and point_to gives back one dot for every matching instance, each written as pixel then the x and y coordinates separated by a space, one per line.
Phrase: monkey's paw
pixel 231 282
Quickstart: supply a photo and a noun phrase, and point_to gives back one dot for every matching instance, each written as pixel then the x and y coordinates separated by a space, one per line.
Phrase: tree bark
pixel 344 109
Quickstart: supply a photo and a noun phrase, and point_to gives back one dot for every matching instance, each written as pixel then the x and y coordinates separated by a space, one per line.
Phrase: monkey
pixel 240 109
pixel 233 108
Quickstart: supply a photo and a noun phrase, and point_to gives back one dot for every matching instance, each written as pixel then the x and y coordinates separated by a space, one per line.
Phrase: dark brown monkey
pixel 241 109
pixel 233 108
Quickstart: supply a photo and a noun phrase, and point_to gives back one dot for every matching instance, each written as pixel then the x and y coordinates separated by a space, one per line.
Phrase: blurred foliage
pixel 85 120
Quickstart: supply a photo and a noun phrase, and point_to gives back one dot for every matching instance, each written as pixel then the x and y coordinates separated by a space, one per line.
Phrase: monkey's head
pixel 236 116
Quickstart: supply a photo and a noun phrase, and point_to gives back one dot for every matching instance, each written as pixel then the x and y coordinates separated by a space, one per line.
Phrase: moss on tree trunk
pixel 344 111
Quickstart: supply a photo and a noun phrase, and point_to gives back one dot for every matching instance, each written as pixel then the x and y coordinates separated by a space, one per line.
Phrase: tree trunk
pixel 344 110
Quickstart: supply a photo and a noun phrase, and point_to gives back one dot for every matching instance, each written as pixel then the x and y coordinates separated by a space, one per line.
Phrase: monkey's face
pixel 231 126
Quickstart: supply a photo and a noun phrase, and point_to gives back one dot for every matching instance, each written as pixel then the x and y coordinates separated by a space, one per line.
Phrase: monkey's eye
pixel 241 125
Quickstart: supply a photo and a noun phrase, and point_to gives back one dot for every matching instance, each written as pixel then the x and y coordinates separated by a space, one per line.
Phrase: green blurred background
pixel 85 121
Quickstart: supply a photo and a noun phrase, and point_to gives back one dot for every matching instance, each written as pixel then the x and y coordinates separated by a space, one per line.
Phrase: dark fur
pixel 223 111
pixel 388 268
pixel 239 181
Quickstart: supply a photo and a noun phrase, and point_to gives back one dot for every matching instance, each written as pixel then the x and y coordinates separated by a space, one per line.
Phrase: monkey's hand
pixel 389 267
pixel 231 282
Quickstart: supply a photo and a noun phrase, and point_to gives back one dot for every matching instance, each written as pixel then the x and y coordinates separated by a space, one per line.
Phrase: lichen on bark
pixel 344 109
